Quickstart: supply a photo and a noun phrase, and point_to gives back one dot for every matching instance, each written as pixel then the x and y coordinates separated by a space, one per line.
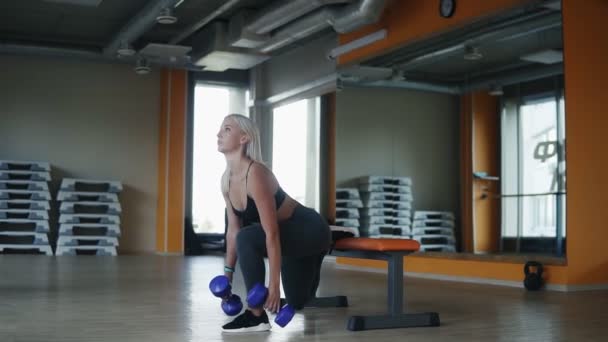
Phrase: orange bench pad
pixel 378 245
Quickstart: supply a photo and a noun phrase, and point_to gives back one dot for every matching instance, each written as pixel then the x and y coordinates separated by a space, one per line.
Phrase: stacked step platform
pixel 89 221
pixel 24 207
pixel 348 202
pixel 434 230
pixel 387 204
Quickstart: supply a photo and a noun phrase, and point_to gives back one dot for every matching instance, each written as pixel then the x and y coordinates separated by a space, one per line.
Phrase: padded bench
pixel 393 251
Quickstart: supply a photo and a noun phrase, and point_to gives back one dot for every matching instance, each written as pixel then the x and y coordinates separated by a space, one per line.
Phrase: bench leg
pixel 395 318
pixel 427 319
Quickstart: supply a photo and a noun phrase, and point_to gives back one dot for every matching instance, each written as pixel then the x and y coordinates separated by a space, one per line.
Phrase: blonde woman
pixel 263 221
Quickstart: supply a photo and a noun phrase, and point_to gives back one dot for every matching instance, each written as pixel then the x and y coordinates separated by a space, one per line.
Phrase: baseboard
pixel 476 280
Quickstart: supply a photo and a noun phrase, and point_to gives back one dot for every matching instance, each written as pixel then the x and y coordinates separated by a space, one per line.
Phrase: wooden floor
pixel 166 299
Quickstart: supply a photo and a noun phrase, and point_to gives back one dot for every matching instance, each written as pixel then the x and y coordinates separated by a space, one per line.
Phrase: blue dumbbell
pixel 231 303
pixel 256 298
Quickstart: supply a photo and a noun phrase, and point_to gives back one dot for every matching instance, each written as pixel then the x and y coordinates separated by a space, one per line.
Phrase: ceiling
pixel 94 23
pixel 502 42
pixel 213 35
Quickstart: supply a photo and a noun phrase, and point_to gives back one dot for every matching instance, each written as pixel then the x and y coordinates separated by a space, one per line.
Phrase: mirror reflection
pixel 474 119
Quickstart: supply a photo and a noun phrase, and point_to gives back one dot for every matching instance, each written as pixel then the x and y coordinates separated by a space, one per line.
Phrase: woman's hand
pixel 229 276
pixel 273 301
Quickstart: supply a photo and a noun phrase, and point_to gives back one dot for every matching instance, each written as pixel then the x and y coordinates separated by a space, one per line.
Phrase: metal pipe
pixel 204 21
pixel 138 25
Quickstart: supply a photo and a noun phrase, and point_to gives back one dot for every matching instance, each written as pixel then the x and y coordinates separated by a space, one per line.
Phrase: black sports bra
pixel 250 214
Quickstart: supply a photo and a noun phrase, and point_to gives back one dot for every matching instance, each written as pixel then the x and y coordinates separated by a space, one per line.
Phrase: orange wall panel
pixel 486 133
pixel 171 162
pixel 586 73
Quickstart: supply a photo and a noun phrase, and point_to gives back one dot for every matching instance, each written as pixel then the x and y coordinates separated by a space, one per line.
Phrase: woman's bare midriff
pixel 287 208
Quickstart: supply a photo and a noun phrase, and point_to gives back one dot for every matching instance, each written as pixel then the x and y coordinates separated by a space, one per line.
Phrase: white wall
pixel 89 120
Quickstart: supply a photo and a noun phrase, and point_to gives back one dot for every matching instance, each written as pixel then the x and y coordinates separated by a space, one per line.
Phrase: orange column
pixel 586 72
pixel 486 156
pixel 171 162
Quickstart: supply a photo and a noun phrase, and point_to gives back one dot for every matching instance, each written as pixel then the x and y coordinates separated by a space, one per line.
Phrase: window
pixel 533 168
pixel 295 150
pixel 211 105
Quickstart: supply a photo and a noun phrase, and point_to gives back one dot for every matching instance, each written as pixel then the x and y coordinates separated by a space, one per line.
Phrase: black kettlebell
pixel 533 280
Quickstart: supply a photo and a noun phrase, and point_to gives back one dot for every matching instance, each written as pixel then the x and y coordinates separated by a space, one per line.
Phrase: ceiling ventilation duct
pixel 252 30
pixel 212 51
pixel 344 20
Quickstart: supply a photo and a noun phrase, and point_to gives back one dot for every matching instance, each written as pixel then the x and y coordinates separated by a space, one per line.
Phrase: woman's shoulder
pixel 261 172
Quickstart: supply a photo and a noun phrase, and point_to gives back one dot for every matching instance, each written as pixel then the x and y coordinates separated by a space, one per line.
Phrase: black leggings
pixel 305 239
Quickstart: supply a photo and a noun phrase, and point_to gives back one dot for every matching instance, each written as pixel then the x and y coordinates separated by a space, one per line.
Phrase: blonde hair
pixel 253 149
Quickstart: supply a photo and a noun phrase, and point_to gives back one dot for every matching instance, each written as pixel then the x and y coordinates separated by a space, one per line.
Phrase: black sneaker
pixel 248 322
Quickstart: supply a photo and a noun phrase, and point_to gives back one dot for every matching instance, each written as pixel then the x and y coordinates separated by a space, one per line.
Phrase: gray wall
pixel 89 120
pixel 395 132
pixel 300 73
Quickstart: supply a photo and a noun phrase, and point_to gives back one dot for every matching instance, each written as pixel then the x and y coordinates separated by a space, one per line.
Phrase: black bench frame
pixel 395 318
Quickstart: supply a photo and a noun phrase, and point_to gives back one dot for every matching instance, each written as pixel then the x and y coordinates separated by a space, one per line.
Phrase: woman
pixel 264 221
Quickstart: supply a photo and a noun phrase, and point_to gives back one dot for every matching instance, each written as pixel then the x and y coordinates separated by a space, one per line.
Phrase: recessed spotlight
pixel 471 53
pixel 166 17
pixel 142 67
pixel 125 49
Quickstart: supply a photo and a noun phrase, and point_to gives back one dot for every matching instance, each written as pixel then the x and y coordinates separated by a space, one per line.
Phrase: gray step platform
pixel 349 203
pixel 386 229
pixel 89 229
pixel 78 240
pixel 36 176
pixel 435 239
pixel 397 205
pixel 22 165
pixel 437 248
pixel 433 223
pixel 73 196
pixel 352 230
pixel 389 236
pixel 40 249
pixel 372 220
pixel 433 231
pixel 403 189
pixel 90 208
pixel 89 218
pixel 433 215
pixel 23 214
pixel 23 225
pixel 88 185
pixel 23 185
pixel 352 213
pixel 23 238
pixel 390 180
pixel 347 222
pixel 93 250
pixel 385 212
pixel 25 195
pixel 25 205
pixel 347 193
pixel 386 196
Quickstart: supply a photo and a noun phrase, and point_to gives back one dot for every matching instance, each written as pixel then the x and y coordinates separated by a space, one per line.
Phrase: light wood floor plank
pixel 149 298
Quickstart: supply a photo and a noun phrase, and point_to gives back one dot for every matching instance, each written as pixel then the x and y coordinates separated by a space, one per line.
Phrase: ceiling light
pixel 125 49
pixel 166 17
pixel 142 67
pixel 550 56
pixel 471 53
pixel 496 91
